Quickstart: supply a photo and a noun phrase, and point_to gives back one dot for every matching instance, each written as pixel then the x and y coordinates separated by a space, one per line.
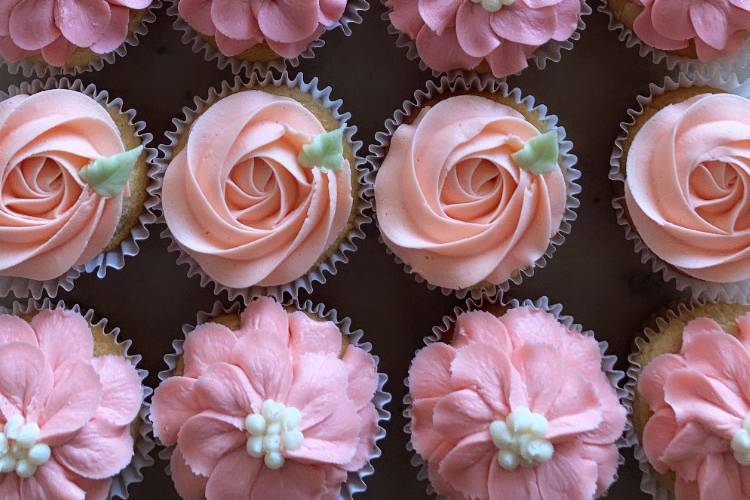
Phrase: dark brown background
pixel 595 274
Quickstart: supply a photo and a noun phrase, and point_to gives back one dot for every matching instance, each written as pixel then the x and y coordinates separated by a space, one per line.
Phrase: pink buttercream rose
pixel 716 27
pixel 65 415
pixel 515 407
pixel 287 26
pixel 701 402
pixel 222 406
pixel 461 34
pixel 55 28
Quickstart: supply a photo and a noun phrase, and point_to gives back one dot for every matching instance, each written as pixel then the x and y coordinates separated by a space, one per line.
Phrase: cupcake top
pixel 466 34
pixel 470 192
pixel 238 25
pixel 515 406
pixel 710 29
pixel 65 414
pixel 280 407
pixel 699 428
pixel 259 191
pixel 686 185
pixel 63 175
pixel 54 29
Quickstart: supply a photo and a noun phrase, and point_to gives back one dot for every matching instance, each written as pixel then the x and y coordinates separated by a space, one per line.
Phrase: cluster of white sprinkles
pixel 272 431
pixel 19 450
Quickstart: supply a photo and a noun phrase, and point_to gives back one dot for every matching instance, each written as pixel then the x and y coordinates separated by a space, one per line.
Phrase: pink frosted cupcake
pixel 489 36
pixel 511 403
pixel 71 398
pixel 273 402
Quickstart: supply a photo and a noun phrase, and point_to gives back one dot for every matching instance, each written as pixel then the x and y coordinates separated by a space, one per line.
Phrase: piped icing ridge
pixel 462 34
pixel 238 200
pixel 50 219
pixel 280 408
pixel 54 29
pixel 716 29
pixel 288 27
pixel 515 406
pixel 700 403
pixel 688 186
pixel 65 415
pixel 453 204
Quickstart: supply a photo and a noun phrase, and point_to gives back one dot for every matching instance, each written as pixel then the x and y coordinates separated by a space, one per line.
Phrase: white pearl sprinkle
pixel 520 439
pixel 273 431
pixel 741 445
pixel 19 450
pixel 255 424
pixel 274 460
pixel 494 5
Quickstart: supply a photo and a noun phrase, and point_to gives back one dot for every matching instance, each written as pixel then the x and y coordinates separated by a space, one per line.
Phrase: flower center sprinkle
pixel 741 443
pixel 520 439
pixel 494 5
pixel 19 450
pixel 272 431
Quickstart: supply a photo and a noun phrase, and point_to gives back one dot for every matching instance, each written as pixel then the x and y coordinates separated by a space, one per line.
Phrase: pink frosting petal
pixel 520 483
pixel 481 327
pixel 646 31
pixel 686 490
pixel 521 24
pixel 197 13
pixel 720 357
pixel 52 325
pixel 706 53
pixel 288 21
pixel 368 417
pixel 294 480
pixel 468 464
pixel 267 316
pixel 266 361
pixel 72 402
pixel 32 24
pixel 231 47
pixel 209 343
pixel 606 457
pixel 10 51
pixel 577 409
pixel 49 481
pixel 132 4
pixel 15 329
pixel 672 19
pixel 405 17
pixel 710 23
pixel 115 33
pixel 309 335
pixel 290 50
pixel 235 19
pixel 234 476
pixel 172 404
pixel 655 375
pixel 443 52
pixel 429 373
pixel 535 363
pixel 719 478
pixel 98 451
pixel 473 30
pixel 319 388
pixel 567 476
pixel 460 414
pixel 25 379
pixel 82 22
pixel 5 9
pixel 363 376
pixel 698 327
pixel 442 485
pixel 190 486
pixel 95 489
pixel 488 370
pixel 225 389
pixel 331 11
pixel 208 436
pixel 122 394
pixel 658 433
pixel 58 52
pixel 424 437
pixel 438 14
pixel 688 448
pixel 10 486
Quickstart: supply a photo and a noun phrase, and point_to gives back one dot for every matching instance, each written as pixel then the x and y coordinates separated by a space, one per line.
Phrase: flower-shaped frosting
pixel 237 199
pixel 716 28
pixel 50 219
pixel 452 202
pixel 515 407
pixel 701 407
pixel 688 186
pixel 461 34
pixel 275 409
pixel 65 415
pixel 287 26
pixel 55 28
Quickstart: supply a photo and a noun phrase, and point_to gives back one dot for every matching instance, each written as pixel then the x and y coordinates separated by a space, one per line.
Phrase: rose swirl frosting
pixel 688 186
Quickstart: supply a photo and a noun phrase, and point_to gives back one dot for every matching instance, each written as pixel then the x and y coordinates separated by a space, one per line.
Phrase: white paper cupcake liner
pixel 725 66
pixel 144 442
pixel 193 39
pixel 473 82
pixel 614 376
pixel 549 52
pixel 321 272
pixel 41 69
pixel 732 292
pixel 355 482
pixel 113 259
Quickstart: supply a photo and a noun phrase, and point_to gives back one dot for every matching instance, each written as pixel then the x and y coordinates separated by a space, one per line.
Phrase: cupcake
pixel 68 37
pixel 690 403
pixel 514 403
pixel 71 397
pixel 681 168
pixel 699 34
pixel 73 185
pixel 489 36
pixel 261 190
pixel 247 34
pixel 474 185
pixel 270 403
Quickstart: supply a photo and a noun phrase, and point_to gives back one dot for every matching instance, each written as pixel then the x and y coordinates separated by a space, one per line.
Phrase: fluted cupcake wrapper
pixel 113 259
pixel 199 45
pixel 144 442
pixel 40 69
pixel 733 292
pixel 677 64
pixel 614 376
pixel 551 51
pixel 474 82
pixel 362 200
pixel 355 482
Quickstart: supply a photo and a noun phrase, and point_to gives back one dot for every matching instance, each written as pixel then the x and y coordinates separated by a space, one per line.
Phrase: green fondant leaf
pixel 325 150
pixel 539 154
pixel 109 176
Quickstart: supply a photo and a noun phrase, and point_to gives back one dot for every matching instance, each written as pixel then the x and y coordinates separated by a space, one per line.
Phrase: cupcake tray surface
pixel 595 275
